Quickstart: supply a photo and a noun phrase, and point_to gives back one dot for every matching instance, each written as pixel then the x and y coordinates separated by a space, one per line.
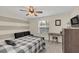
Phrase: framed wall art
pixel 58 22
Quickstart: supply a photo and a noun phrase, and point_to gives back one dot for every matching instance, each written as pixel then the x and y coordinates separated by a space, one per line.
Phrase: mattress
pixel 26 44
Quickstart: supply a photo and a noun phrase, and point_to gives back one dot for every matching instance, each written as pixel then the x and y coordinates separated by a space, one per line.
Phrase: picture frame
pixel 58 22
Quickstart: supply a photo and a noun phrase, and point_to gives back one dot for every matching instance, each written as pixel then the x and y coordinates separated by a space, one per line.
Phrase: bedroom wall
pixel 75 11
pixel 8 26
pixel 65 18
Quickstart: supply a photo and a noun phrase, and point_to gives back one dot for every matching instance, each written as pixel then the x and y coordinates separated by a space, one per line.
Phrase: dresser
pixel 71 41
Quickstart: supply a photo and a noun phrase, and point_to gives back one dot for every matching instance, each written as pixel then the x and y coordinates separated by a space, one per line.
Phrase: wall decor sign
pixel 58 22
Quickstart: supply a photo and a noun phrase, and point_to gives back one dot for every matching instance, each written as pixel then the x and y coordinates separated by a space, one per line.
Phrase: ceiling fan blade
pixel 39 12
pixel 27 14
pixel 22 10
pixel 35 14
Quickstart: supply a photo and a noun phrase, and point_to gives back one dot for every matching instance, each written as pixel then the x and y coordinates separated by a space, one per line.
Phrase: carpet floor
pixel 52 47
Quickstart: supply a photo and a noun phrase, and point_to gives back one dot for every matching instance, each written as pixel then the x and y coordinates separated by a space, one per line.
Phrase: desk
pixel 55 35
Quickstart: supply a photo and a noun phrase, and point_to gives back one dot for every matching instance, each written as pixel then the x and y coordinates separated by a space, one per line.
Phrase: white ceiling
pixel 13 11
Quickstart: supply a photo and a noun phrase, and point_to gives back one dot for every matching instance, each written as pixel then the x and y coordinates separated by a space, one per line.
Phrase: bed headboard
pixel 21 34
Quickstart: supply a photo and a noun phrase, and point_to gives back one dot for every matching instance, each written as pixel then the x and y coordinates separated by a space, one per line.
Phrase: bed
pixel 25 43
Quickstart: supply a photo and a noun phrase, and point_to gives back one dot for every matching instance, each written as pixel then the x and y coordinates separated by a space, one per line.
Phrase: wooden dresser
pixel 71 41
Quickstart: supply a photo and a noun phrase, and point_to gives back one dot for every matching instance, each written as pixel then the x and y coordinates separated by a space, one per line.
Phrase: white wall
pixel 65 18
pixel 8 26
pixel 75 11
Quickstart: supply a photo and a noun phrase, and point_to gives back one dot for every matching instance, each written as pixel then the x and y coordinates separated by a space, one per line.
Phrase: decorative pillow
pixel 10 42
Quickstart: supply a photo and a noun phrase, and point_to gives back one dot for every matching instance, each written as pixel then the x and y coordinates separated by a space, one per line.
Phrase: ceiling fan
pixel 31 11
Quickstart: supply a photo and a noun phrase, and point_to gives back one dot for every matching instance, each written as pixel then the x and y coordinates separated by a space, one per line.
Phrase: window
pixel 43 26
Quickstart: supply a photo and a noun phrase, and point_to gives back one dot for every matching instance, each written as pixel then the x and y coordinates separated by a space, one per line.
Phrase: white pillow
pixel 2 42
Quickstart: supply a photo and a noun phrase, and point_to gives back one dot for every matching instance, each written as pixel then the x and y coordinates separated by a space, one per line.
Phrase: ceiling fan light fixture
pixel 32 11
pixel 32 14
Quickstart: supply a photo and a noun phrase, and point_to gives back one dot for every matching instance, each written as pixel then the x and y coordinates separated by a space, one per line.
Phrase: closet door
pixel 74 42
pixel 71 41
pixel 66 41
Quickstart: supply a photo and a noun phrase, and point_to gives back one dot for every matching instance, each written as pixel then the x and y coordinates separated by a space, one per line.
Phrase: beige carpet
pixel 53 47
